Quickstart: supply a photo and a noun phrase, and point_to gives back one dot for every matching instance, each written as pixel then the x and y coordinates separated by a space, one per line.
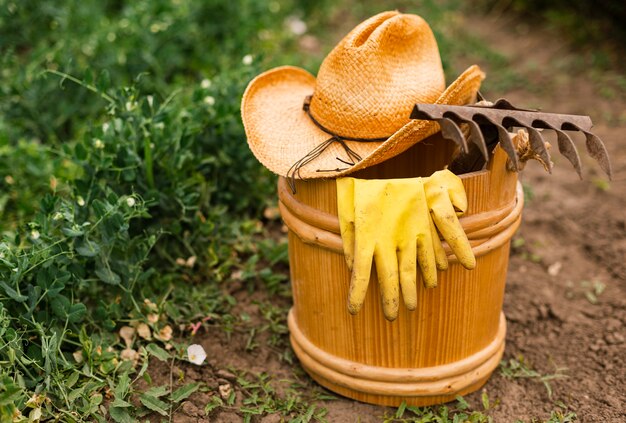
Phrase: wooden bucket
pixel 453 341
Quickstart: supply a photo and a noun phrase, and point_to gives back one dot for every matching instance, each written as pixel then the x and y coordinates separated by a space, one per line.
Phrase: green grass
pixel 457 413
pixel 516 368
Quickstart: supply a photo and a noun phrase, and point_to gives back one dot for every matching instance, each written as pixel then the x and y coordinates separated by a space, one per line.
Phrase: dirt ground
pixel 574 236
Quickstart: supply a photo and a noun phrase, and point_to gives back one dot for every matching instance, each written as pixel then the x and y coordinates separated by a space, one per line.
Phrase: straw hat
pixel 356 113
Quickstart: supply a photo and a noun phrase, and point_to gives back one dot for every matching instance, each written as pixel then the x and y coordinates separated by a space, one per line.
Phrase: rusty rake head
pixel 503 116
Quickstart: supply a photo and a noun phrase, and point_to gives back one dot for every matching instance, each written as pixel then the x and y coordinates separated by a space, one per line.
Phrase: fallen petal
pixel 196 354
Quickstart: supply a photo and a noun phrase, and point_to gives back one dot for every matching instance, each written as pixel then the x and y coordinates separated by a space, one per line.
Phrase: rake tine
pixel 568 149
pixel 597 150
pixel 451 131
pixel 476 137
pixel 475 134
pixel 502 115
pixel 566 146
pixel 505 140
pixel 503 104
pixel 539 146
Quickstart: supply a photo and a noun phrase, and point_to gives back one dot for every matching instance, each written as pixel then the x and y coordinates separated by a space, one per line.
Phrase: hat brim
pixel 280 133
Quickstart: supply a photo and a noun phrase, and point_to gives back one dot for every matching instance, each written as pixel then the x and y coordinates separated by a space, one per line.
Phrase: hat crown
pixel 367 85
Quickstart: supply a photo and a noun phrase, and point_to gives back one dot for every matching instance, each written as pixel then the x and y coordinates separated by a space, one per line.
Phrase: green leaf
pixel 88 78
pixel 400 410
pixel 71 381
pixel 123 383
pixel 120 403
pixel 462 404
pixel 154 404
pixel 104 81
pixel 485 400
pixel 88 248
pixel 120 415
pixel 158 391
pixel 55 288
pixel 460 418
pixel 11 392
pixel 74 394
pixel 76 312
pixel 158 352
pixel 96 399
pixel 184 391
pixel 72 232
pixel 107 275
pixel 12 293
pixel 101 208
pixel 80 152
pixel 213 403
pixel 60 306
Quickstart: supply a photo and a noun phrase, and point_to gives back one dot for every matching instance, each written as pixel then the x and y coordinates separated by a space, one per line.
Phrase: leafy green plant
pixel 520 368
pixel 561 414
pixel 460 412
pixel 262 398
pixel 124 175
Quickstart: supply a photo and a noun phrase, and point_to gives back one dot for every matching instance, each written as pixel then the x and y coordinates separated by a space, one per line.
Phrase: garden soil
pixel 565 296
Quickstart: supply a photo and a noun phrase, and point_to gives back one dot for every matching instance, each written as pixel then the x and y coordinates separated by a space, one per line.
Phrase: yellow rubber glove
pixel 447 201
pixel 387 221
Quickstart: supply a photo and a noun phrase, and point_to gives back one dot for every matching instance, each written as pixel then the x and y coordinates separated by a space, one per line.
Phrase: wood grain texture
pixel 457 325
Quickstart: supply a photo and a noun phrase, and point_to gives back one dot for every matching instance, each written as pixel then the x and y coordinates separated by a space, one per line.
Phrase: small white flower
pixel 196 354
pixel 150 100
pixel 9 179
pixel 296 25
pixel 209 100
pixel 247 59
pixel 98 144
pixel 34 234
pixel 130 201
pixel 57 216
pixel 80 201
pixel 206 84
pixel 130 105
pixel 105 126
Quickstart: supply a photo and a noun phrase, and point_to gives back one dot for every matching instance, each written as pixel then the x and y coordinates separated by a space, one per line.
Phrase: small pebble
pixel 225 390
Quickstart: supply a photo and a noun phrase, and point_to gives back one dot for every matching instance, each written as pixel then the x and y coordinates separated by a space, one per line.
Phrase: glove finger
pixel 456 193
pixel 452 185
pixel 360 279
pixel 424 242
pixel 387 272
pixel 426 259
pixel 407 260
pixel 450 228
pixel 441 259
pixel 345 208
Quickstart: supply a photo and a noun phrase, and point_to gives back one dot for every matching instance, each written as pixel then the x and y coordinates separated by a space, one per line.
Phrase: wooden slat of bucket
pixel 486 191
pixel 456 320
pixel 465 303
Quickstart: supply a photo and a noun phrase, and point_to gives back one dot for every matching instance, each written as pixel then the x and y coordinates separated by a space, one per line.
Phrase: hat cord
pixel 353 156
